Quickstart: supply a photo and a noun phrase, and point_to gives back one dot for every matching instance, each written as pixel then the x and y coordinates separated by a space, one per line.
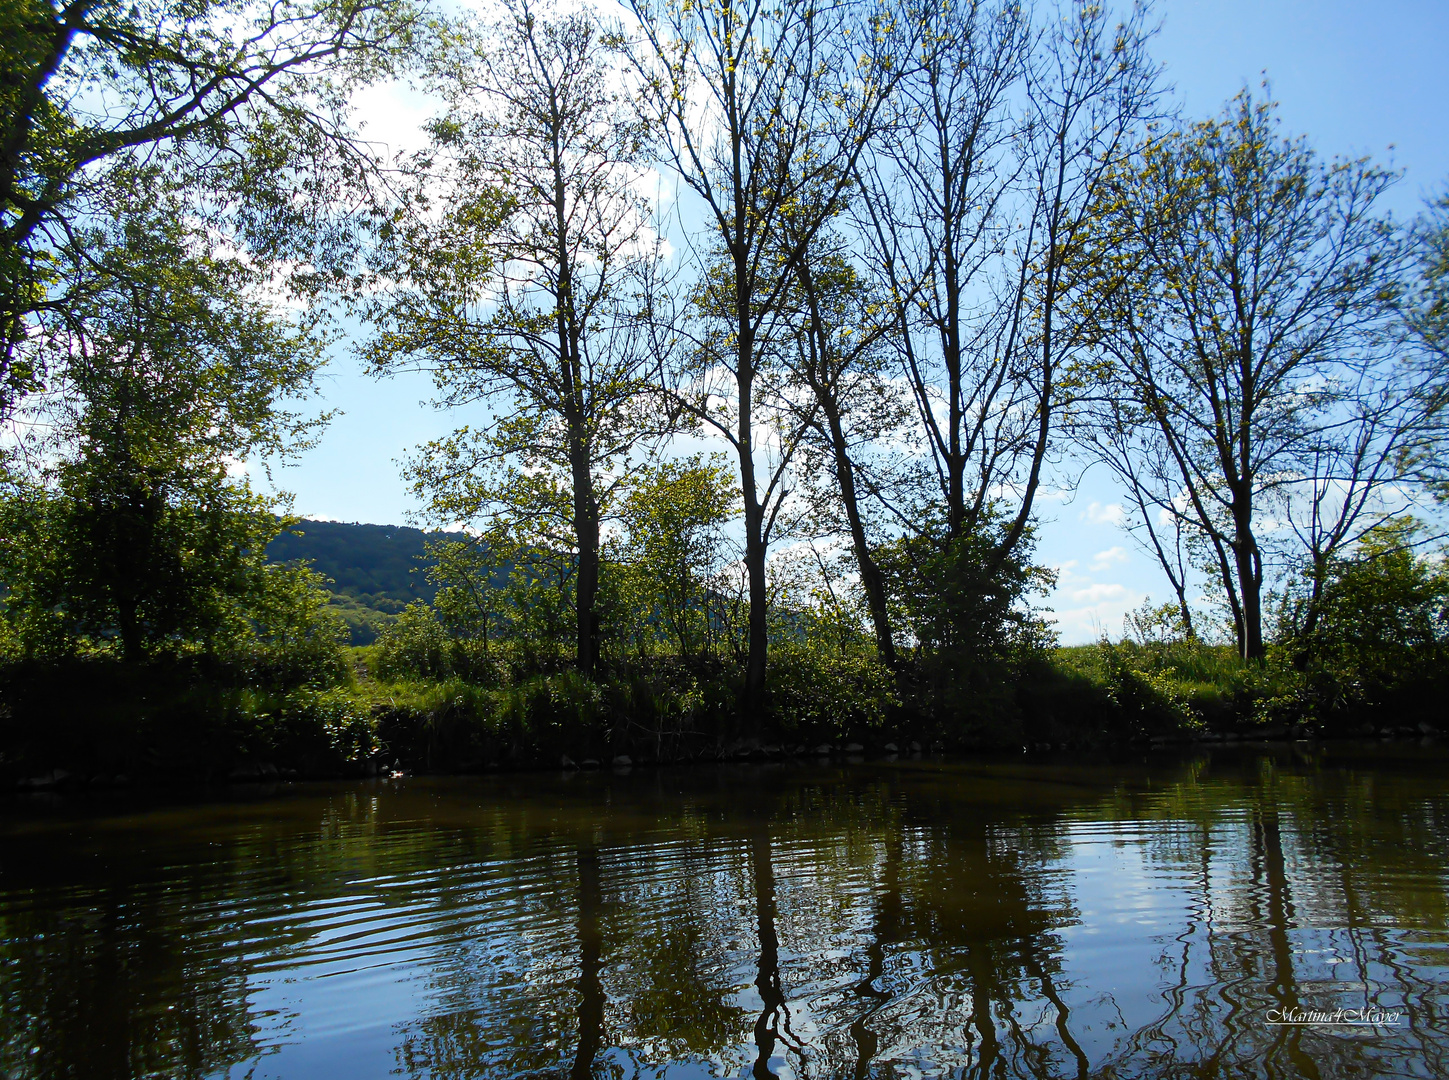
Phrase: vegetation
pixel 1248 365
pixel 525 289
pixel 372 572
pixel 918 258
pixel 242 106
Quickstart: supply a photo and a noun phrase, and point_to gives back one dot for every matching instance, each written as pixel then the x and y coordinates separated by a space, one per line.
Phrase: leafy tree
pixel 126 560
pixel 294 624
pixel 1429 318
pixel 970 616
pixel 525 285
pixel 467 577
pixel 1248 293
pixel 1427 322
pixel 1381 619
pixel 673 518
pixel 961 606
pixel 134 530
pixel 762 110
pixel 245 102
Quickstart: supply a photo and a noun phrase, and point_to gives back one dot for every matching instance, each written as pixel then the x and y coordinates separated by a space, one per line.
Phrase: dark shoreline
pixel 269 776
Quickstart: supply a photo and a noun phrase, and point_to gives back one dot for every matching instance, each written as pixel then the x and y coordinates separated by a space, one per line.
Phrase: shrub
pixel 1150 699
pixel 963 599
pixel 416 646
pixel 296 636
pixel 820 694
pixel 1377 639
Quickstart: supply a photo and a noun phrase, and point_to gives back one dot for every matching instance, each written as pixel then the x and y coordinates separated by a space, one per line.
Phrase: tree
pixel 238 98
pixel 962 604
pixel 673 516
pixel 526 282
pixel 1429 317
pixel 1249 291
pixel 131 527
pixel 1380 620
pixel 762 111
pixel 843 360
pixel 467 600
pixel 976 203
pixel 1427 323
pixel 1146 469
pixel 933 211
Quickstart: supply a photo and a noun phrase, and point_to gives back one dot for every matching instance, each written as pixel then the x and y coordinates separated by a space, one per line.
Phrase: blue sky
pixel 1355 77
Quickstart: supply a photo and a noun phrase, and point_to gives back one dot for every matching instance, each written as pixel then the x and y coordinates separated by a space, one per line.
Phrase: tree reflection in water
pixel 885 931
pixel 773 1023
pixel 591 990
pixel 1002 921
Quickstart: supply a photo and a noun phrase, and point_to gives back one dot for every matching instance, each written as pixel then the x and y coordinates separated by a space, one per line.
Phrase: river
pixel 1239 912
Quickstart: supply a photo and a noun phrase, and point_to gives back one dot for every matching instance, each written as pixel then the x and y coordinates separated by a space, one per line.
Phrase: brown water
pixel 1157 917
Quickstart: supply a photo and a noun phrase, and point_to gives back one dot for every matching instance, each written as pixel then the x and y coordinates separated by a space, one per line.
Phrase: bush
pixel 418 646
pixel 818 694
pixel 963 600
pixel 415 646
pixel 296 637
pixel 181 718
pixel 1375 645
pixel 1150 699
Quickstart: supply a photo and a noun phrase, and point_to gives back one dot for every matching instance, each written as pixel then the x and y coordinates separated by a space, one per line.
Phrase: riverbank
pixel 741 751
pixel 99 723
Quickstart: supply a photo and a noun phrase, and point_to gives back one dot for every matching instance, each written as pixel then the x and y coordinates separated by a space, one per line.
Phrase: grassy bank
pixel 200 720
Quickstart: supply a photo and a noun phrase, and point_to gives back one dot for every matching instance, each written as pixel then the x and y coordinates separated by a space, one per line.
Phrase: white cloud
pixel 1105 560
pixel 392 114
pixel 1101 611
pixel 1096 593
pixel 1104 514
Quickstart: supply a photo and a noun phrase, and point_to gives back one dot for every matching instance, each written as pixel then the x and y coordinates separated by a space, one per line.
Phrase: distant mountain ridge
pixel 375 570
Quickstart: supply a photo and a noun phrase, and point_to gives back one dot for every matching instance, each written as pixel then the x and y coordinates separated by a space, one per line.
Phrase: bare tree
pixel 977 204
pixel 1118 434
pixel 935 189
pixel 842 360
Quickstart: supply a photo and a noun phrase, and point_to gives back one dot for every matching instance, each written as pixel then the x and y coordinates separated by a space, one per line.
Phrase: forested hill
pixel 375 570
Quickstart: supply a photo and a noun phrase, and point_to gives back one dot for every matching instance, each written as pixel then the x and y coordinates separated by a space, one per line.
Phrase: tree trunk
pixel 1249 567
pixel 826 391
pixel 755 545
pixel 870 578
pixel 1279 919
pixel 754 701
pixel 951 357
pixel 570 337
pixel 128 624
pixel 586 530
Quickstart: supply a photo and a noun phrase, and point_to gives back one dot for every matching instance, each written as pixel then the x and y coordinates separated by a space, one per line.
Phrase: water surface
pixel 1196 917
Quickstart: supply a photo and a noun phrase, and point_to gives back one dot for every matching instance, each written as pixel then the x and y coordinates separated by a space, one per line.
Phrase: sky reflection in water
pixel 905 919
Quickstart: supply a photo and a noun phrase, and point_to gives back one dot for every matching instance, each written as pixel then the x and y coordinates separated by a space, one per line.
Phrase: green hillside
pixel 375 570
